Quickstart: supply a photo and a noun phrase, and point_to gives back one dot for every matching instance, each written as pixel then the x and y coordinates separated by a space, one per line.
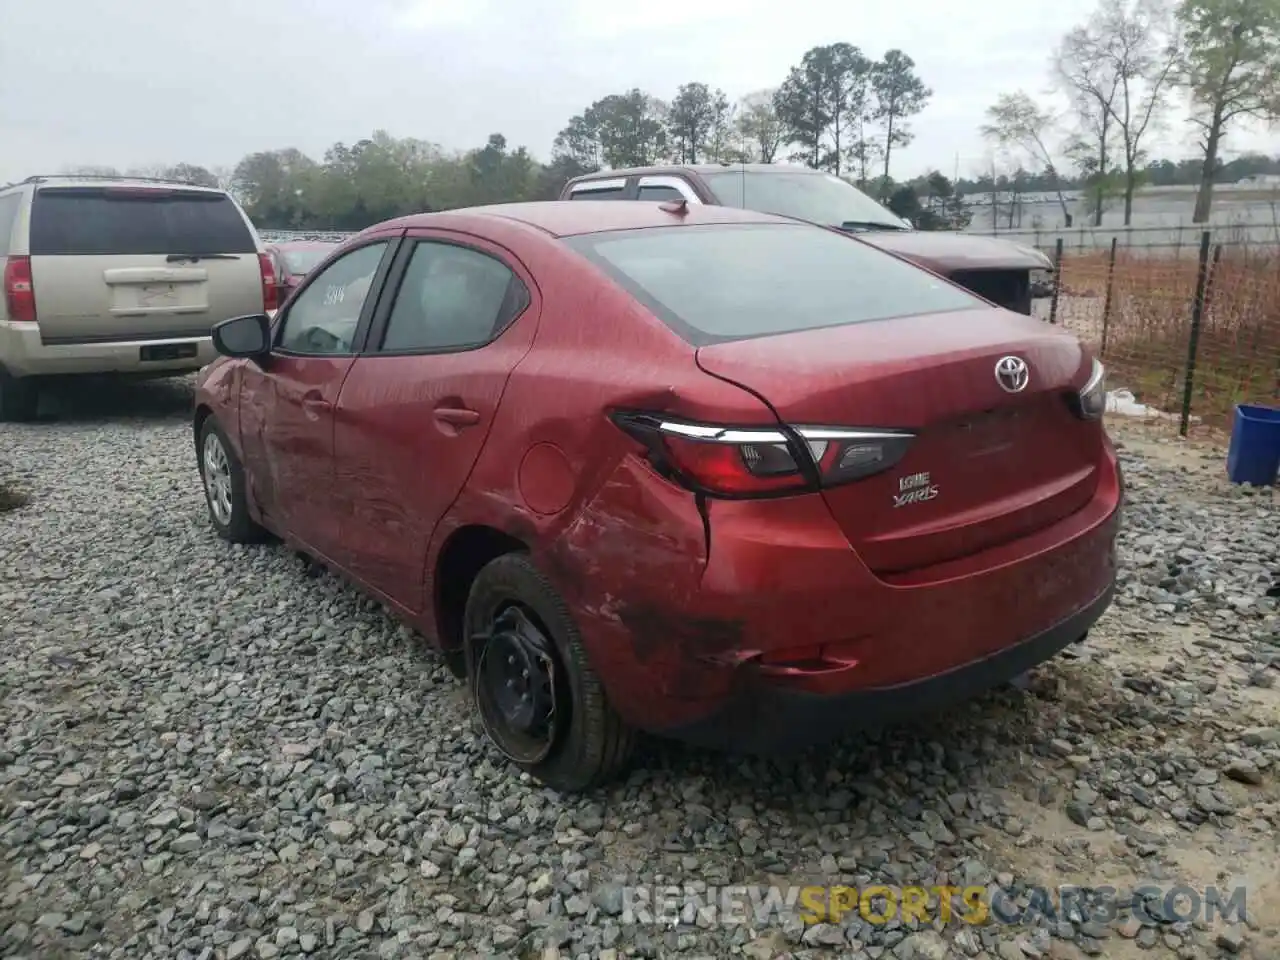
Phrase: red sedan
pixel 696 471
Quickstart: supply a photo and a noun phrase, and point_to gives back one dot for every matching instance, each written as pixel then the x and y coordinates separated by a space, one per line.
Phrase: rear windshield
pixel 99 221
pixel 300 262
pixel 817 197
pixel 736 281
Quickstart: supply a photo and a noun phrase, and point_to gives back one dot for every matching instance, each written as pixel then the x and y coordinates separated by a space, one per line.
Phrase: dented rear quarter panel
pixel 627 541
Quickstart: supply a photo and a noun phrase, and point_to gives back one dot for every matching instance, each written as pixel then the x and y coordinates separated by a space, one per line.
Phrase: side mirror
pixel 247 336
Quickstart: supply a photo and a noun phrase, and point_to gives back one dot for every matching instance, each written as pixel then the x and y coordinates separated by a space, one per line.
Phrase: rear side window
pixel 736 281
pixel 8 214
pixel 98 221
pixel 608 193
pixel 452 298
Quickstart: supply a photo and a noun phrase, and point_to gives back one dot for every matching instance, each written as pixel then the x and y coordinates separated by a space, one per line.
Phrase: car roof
pixel 140 183
pixel 566 218
pixel 697 168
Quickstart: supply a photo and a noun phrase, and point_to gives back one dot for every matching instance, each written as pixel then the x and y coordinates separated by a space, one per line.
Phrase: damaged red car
pixel 695 471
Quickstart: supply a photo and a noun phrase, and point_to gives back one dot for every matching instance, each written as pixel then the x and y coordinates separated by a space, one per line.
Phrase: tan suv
pixel 118 276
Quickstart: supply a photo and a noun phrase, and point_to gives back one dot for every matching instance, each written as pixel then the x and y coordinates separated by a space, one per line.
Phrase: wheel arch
pixel 461 558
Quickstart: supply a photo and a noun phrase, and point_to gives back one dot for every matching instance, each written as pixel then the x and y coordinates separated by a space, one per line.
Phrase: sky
pixel 156 82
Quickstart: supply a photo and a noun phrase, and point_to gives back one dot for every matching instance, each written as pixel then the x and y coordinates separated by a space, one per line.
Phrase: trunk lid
pixel 139 263
pixel 986 466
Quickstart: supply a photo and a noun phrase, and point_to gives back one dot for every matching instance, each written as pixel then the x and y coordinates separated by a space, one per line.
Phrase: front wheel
pixel 224 487
pixel 538 700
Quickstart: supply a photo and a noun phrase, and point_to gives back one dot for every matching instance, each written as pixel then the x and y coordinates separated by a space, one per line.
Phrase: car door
pixel 419 402
pixel 286 402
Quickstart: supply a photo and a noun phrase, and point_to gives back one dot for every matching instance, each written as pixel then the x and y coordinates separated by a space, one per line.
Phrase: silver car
pixel 118 276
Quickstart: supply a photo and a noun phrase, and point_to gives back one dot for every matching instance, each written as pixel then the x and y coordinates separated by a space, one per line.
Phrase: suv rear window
pixel 735 281
pixel 105 221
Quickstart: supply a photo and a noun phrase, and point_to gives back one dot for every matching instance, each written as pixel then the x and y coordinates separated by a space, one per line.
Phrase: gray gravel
pixel 207 751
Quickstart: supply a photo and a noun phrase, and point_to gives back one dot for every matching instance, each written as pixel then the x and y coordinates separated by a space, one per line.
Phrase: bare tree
pixel 1085 72
pixel 1231 70
pixel 1016 121
pixel 1118 68
pixel 759 127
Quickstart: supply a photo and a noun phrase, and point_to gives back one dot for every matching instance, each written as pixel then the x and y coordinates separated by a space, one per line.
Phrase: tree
pixel 720 147
pixel 1231 70
pixel 630 128
pixel 1015 121
pixel 821 103
pixel 579 142
pixel 897 93
pixel 759 127
pixel 1120 64
pixel 190 173
pixel 1087 74
pixel 690 120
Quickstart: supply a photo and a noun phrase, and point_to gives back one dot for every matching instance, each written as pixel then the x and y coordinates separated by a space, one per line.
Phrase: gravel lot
pixel 209 752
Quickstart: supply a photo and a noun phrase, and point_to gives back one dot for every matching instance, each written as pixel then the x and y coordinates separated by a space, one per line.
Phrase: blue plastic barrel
pixel 1254 454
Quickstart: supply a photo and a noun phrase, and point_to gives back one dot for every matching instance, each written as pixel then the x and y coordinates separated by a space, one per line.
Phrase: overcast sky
pixel 145 82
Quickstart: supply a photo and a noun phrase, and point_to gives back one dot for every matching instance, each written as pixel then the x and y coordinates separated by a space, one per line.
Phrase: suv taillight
pixel 19 293
pixel 738 462
pixel 270 297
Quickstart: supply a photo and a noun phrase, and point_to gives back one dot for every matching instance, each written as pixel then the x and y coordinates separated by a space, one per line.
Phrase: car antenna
pixel 678 207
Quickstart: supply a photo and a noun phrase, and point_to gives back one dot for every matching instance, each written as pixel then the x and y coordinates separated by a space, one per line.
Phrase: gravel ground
pixel 207 751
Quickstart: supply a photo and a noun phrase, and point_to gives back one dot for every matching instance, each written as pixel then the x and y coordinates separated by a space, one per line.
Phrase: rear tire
pixel 19 398
pixel 224 488
pixel 514 610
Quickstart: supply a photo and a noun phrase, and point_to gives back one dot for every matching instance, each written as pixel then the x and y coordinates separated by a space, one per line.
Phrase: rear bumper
pixel 765 630
pixel 765 718
pixel 24 354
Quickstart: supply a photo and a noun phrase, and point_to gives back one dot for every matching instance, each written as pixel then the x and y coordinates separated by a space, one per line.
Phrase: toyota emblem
pixel 1012 374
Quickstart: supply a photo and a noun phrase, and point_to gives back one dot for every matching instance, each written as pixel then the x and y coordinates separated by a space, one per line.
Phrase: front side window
pixel 719 282
pixel 599 193
pixel 301 262
pixel 659 192
pixel 324 317
pixel 452 298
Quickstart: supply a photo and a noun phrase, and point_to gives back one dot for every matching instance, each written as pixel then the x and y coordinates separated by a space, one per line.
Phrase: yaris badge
pixel 914 488
pixel 1012 374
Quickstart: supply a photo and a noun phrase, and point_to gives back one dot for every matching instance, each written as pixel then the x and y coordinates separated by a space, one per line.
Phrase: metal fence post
pixel 1106 303
pixel 1057 280
pixel 1193 342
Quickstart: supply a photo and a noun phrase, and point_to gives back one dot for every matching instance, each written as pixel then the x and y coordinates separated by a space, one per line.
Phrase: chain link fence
pixel 1189 328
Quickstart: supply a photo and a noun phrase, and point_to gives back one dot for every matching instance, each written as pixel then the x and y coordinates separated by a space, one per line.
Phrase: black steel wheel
pixel 538 700
pixel 515 682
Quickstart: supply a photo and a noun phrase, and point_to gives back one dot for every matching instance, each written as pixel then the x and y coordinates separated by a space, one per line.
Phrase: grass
pixel 1147 330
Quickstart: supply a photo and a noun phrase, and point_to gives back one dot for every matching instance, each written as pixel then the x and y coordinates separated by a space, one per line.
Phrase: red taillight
pixel 270 293
pixel 734 469
pixel 762 461
pixel 19 292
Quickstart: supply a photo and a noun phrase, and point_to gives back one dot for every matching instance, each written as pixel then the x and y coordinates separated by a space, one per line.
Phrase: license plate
pixel 166 351
pixel 157 294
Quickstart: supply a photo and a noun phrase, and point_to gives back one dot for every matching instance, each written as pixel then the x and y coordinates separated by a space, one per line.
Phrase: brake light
pixel 19 291
pixel 738 462
pixel 270 293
